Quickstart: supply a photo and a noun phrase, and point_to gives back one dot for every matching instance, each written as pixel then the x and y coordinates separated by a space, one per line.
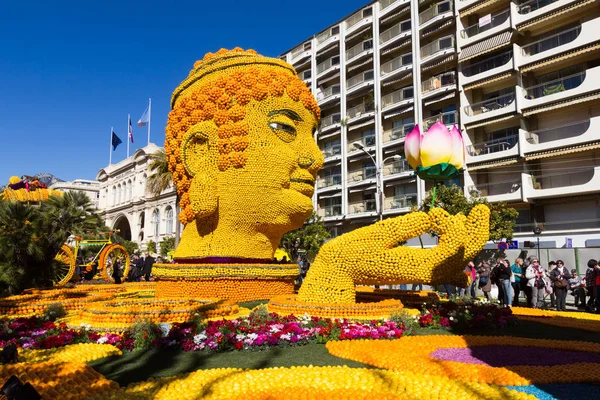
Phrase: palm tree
pixel 160 180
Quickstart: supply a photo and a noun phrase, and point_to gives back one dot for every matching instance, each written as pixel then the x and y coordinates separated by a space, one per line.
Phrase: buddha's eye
pixel 284 131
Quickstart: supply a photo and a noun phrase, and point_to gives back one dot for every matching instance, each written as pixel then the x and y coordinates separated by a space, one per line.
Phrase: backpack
pixel 483 280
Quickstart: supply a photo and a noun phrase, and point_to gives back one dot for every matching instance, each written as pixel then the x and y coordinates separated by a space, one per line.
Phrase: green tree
pixel 167 245
pixel 151 246
pixel 160 180
pixel 309 238
pixel 452 199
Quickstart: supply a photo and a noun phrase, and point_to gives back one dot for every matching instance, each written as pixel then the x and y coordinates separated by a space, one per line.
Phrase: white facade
pixel 90 188
pixel 125 204
pixel 520 78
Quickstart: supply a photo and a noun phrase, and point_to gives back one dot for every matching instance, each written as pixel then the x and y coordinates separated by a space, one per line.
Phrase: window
pixel 142 220
pixel 368 75
pixel 369 137
pixel 119 194
pixel 335 30
pixel 367 12
pixel 408 93
pixel 155 222
pixel 169 220
pixel 114 196
pixel 129 191
pixel 124 192
pixel 370 171
pixel 406 59
pixel 335 60
pixel 446 42
pixel 405 26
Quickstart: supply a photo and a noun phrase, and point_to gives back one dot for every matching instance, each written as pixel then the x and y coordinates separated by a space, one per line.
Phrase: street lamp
pixel 379 198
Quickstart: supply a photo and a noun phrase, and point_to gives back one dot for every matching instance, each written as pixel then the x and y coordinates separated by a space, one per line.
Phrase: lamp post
pixel 379 191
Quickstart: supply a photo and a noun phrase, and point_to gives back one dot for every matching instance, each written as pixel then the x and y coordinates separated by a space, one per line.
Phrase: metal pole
pixel 377 186
pixel 128 138
pixel 149 117
pixel 110 147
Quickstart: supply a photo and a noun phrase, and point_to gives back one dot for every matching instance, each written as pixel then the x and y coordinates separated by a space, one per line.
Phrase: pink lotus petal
pixel 458 148
pixel 436 145
pixel 412 147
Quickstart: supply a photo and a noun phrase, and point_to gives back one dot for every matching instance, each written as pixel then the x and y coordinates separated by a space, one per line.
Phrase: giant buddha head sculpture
pixel 240 147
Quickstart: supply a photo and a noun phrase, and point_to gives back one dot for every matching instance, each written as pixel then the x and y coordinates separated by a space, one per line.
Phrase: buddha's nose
pixel 305 161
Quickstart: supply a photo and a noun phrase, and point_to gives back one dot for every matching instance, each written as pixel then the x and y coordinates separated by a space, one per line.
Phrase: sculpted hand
pixel 370 255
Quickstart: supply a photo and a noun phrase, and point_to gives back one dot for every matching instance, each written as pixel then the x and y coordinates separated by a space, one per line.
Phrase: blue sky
pixel 69 70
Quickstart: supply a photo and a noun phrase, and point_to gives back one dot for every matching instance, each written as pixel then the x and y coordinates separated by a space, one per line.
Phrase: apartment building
pixel 521 79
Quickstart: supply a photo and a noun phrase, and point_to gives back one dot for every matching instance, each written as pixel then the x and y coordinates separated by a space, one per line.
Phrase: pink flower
pixel 438 145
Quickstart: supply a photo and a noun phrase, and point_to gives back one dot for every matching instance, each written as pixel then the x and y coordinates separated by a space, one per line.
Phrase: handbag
pixel 560 283
pixel 549 289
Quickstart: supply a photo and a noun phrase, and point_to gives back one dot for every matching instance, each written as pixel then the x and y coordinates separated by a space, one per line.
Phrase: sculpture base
pixel 287 305
pixel 236 282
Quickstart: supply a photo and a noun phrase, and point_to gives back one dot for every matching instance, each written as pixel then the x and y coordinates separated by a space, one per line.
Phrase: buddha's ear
pixel 200 153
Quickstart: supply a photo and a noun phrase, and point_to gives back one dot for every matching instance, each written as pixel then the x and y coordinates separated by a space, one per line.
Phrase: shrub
pixel 407 320
pixel 144 335
pixel 54 311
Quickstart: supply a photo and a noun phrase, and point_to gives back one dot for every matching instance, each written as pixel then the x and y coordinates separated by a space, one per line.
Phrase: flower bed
pixel 418 355
pixel 286 305
pixel 466 314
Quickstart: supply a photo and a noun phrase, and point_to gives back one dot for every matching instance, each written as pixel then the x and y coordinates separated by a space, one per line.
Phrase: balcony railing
pixel 396 167
pixel 487 64
pixel 330 211
pixel 475 29
pixel 592 223
pixel 367 141
pixel 355 19
pixel 330 120
pixel 403 201
pixel 358 79
pixel 330 91
pixel 555 86
pixel 363 206
pixel 533 5
pixel 360 109
pixel 558 132
pixel 325 65
pixel 492 146
pixel 396 63
pixel 437 82
pixel 447 118
pixel 365 173
pixel 399 132
pixel 488 105
pixel 496 188
pixel 394 31
pixel 359 48
pixel 330 180
pixel 397 96
pixel 580 176
pixel 551 42
pixel 333 150
pixel 323 36
pixel 383 4
pixel 297 51
pixel 438 45
pixel 434 11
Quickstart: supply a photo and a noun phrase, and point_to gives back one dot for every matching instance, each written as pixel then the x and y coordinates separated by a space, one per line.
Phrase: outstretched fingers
pixel 392 231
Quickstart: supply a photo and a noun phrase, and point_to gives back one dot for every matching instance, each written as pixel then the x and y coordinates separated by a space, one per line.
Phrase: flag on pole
pixel 144 119
pixel 130 129
pixel 115 140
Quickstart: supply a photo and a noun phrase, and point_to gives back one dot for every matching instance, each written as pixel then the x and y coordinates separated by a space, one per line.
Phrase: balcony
pixel 462 4
pixel 448 118
pixel 329 65
pixel 329 181
pixel 397 133
pixel 435 13
pixel 571 134
pixel 556 226
pixel 330 36
pixel 330 211
pixel 561 42
pixel 328 94
pixel 359 19
pixel 400 203
pixel 362 207
pixel 330 121
pixel 577 183
pixel 358 81
pixel 397 167
pixel 395 65
pixel 530 10
pixel 437 49
pixel 332 151
pixel 578 84
pixel 396 99
pixel 498 22
pixel 490 108
pixel 396 32
pixel 360 50
pixel 387 6
pixel 363 176
pixel 486 68
pixel 438 84
pixel 499 191
pixel 300 53
pixel 493 149
pixel 360 110
pixel 367 141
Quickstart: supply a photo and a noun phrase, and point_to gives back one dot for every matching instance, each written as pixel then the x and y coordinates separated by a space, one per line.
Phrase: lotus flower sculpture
pixel 436 155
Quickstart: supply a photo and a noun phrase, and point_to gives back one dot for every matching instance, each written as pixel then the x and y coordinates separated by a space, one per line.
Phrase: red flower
pixel 238 345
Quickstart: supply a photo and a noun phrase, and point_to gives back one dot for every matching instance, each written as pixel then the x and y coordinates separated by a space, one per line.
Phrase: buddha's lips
pixel 307 181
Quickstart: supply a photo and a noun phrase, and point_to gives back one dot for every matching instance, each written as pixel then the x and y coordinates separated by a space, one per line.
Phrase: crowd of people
pixel 140 267
pixel 536 283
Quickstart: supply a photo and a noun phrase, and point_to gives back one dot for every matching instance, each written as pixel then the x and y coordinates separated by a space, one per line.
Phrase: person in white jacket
pixel 535 276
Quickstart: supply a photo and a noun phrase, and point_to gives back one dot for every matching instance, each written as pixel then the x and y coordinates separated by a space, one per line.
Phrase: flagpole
pixel 128 137
pixel 110 147
pixel 149 117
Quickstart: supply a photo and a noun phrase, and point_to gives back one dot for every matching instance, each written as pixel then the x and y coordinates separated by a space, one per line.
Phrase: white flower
pixel 199 338
pixel 252 336
pixel 451 318
pixel 285 336
pixel 240 337
pixel 274 329
pixel 102 340
pixel 164 328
